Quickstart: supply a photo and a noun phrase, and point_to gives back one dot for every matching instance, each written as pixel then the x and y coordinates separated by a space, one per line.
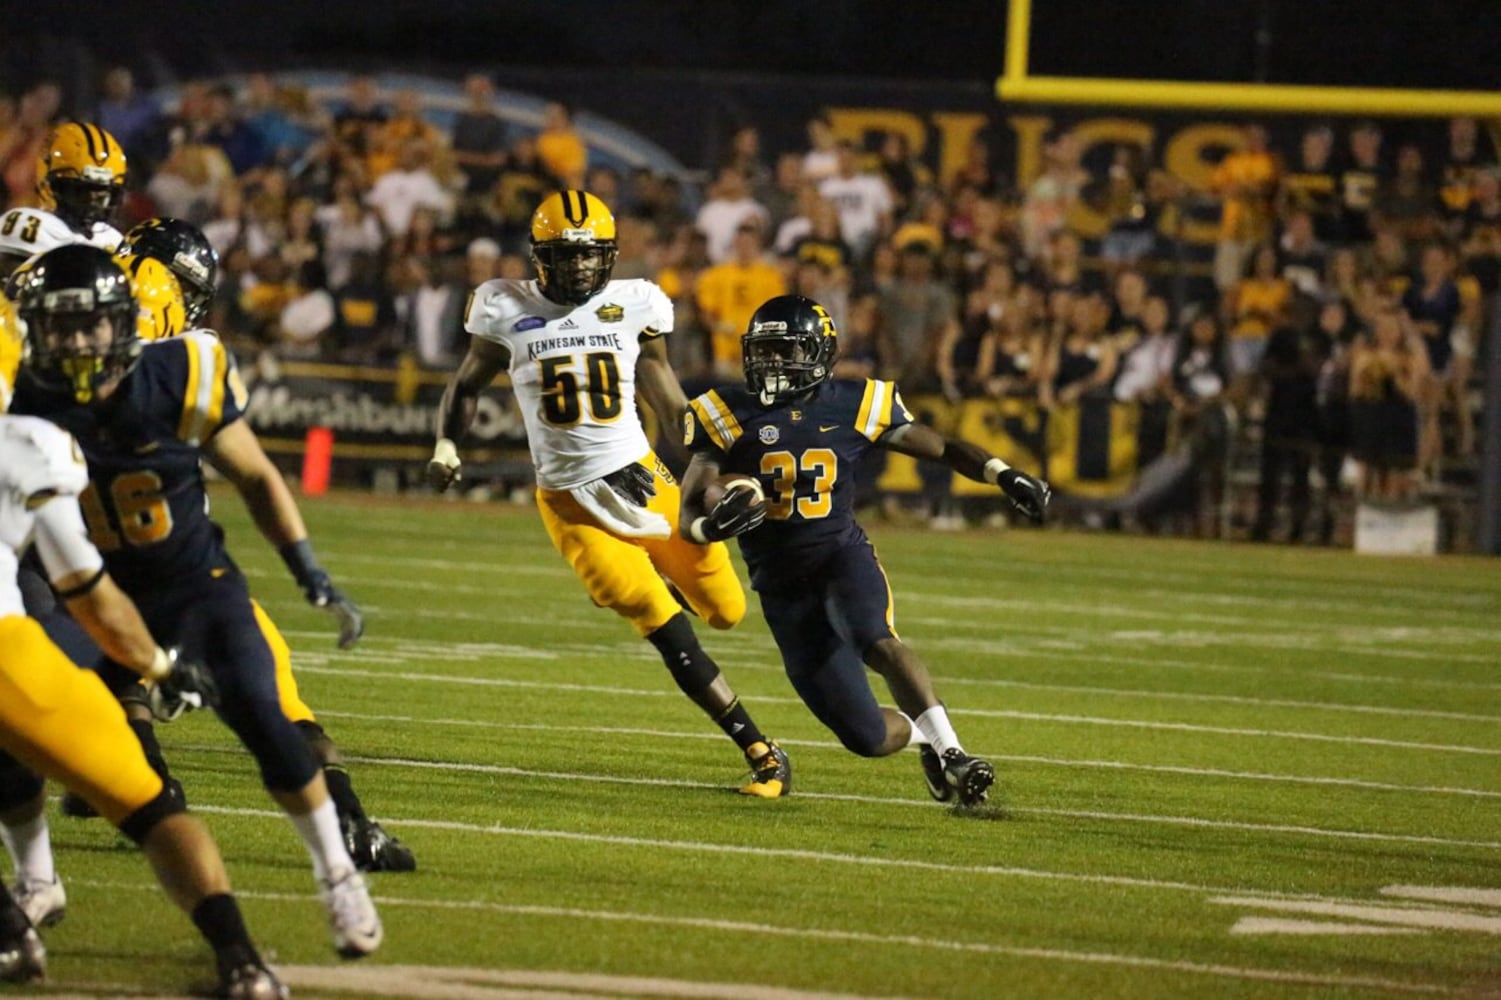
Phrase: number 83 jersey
pixel 573 369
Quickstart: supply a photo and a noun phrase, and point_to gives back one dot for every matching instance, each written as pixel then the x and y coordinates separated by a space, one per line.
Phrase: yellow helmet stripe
pixel 583 209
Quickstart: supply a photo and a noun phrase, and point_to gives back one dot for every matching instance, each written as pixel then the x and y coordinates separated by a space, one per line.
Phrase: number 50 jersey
pixel 573 369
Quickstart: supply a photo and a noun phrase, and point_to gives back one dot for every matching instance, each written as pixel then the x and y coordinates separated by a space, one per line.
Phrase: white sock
pixel 30 846
pixel 918 738
pixel 319 830
pixel 935 725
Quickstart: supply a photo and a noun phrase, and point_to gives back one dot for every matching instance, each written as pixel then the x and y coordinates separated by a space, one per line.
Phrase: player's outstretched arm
pixel 1027 494
pixel 658 385
pixel 237 453
pixel 484 360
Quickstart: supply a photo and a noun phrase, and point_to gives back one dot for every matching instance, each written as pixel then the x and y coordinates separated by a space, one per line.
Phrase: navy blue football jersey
pixel 804 454
pixel 146 506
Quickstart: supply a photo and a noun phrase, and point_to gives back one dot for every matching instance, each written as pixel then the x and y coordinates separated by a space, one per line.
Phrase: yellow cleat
pixel 771 771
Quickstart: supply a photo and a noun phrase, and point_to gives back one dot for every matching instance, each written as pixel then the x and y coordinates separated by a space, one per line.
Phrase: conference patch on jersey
pixel 526 323
pixel 610 313
pixel 769 434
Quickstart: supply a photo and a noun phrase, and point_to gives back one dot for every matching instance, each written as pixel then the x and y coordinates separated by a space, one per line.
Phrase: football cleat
pixel 375 850
pixel 968 777
pixel 351 916
pixel 77 806
pixel 771 771
pixel 252 981
pixel 44 903
pixel 23 959
pixel 932 772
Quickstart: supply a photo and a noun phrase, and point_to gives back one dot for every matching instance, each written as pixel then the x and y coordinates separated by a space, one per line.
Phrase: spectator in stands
pixel 191 181
pixel 479 138
pixel 1012 352
pixel 398 193
pixel 367 330
pixel 1133 218
pixel 1082 361
pixel 1200 379
pixel 798 223
pixel 918 313
pixel 863 199
pixel 1359 181
pixel 523 183
pixel 1339 326
pixel 425 237
pixel 821 161
pixel 728 207
pixel 431 311
pixel 306 315
pixel 1463 160
pixel 1343 280
pixel 1311 185
pixel 858 354
pixel 976 170
pixel 1246 182
pixel 1295 354
pixel 481 259
pixel 404 128
pixel 349 227
pixel 928 223
pixel 302 241
pixel 1144 377
pixel 783 199
pixel 729 292
pixel 1434 306
pixel 1052 196
pixel 1387 262
pixel 283 120
pixel 1257 306
pixel 125 113
pixel 1125 325
pixel 359 120
pixel 827 286
pixel 823 244
pixel 638 253
pixel 1387 372
pixel 902 171
pixel 221 127
pixel 25 141
pixel 1407 202
pixel 560 148
pixel 1304 259
pixel 1480 233
pixel 745 153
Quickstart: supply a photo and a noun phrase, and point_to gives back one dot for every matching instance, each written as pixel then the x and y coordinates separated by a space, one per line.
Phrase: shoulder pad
pixel 881 409
pixel 26 232
pixel 647 307
pixel 40 460
pixel 493 307
pixel 201 378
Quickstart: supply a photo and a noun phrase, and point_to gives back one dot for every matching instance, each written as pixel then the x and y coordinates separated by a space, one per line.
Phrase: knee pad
pixel 139 824
pixel 18 784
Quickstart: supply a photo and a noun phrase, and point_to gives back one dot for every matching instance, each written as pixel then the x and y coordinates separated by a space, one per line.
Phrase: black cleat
pixel 968 777
pixel 771 771
pixel 23 959
pixel 375 850
pixel 251 981
pixel 75 806
pixel 932 772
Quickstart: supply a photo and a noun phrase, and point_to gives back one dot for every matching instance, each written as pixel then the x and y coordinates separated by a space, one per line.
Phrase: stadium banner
pixel 377 415
pixel 1091 447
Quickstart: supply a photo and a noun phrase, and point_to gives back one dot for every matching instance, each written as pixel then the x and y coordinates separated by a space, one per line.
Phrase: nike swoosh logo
pixel 148 447
pixel 828 427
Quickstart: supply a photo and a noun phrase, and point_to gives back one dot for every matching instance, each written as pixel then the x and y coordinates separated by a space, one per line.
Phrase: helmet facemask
pixel 82 203
pixel 571 273
pixel 780 365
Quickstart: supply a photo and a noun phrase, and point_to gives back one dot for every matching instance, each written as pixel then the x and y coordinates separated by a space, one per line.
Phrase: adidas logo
pixel 568 324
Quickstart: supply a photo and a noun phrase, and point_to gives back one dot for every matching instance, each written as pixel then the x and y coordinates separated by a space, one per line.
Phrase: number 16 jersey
pixel 573 369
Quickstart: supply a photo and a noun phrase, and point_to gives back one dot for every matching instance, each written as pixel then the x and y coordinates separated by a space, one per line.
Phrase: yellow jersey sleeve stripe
pixel 187 426
pixel 875 409
pixel 723 418
pixel 216 391
pixel 702 413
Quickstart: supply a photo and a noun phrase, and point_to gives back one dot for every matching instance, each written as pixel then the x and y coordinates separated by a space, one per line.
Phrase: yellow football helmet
pixel 159 296
pixel 81 175
pixel 573 246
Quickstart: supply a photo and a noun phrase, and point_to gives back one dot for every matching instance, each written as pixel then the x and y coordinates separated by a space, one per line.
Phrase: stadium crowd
pixel 1350 292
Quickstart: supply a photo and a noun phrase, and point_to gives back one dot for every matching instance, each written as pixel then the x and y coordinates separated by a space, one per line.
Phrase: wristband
pixel 161 666
pixel 299 559
pixel 696 530
pixel 445 452
pixel 993 469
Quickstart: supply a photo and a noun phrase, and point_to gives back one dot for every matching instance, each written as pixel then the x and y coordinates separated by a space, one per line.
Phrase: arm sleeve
pixel 62 541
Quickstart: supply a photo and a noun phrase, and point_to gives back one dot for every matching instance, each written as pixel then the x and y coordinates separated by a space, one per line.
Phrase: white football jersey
pixel 26 232
pixel 37 459
pixel 573 369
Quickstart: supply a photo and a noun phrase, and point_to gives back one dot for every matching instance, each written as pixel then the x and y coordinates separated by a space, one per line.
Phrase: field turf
pixel 1226 771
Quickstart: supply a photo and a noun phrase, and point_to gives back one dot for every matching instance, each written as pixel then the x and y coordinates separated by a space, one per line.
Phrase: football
pixel 716 490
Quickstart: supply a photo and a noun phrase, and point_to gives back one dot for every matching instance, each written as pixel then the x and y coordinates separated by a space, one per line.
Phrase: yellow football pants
pixel 625 574
pixel 286 685
pixel 62 722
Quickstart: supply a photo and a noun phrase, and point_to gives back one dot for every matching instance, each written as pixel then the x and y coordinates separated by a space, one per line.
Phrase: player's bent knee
pixel 139 824
pixel 286 761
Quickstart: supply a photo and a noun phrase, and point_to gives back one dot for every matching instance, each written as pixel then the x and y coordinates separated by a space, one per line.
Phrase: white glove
pixel 443 469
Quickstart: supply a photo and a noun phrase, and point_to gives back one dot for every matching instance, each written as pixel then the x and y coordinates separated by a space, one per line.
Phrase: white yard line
pixel 744 930
pixel 983 713
pixel 1208 772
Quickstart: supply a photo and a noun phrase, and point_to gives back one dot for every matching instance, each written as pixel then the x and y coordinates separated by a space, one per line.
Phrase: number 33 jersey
pixel 145 505
pixel 573 369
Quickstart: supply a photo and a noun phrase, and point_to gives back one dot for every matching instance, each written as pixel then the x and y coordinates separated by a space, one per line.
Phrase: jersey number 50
pixel 562 400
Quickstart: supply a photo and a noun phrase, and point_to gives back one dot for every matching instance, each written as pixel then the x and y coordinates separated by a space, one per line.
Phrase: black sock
pixel 341 790
pixel 13 920
pixel 218 919
pixel 146 734
pixel 738 726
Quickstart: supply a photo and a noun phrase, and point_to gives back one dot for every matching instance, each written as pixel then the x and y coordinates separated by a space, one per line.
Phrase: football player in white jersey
pixel 81 178
pixel 578 345
pixel 61 722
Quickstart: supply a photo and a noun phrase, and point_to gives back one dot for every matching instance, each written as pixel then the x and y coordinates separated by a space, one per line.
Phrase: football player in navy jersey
pixel 800 435
pixel 143 416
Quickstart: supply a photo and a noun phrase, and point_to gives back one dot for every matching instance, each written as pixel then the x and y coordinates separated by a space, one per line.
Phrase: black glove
pixel 1027 494
pixel 737 512
pixel 189 686
pixel 635 483
pixel 321 592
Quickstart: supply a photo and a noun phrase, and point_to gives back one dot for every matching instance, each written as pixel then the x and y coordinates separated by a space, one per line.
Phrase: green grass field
pixel 1226 771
